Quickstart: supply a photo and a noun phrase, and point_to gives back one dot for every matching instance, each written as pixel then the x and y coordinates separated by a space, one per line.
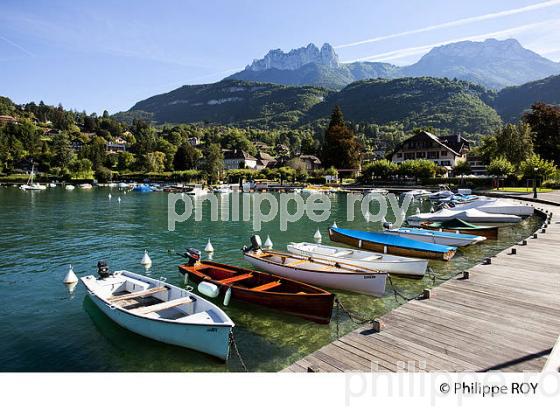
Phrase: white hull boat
pixel 440 238
pixel 223 189
pixel 468 215
pixel 197 191
pixel 86 186
pixel 69 187
pixel 30 185
pixel 318 271
pixel 497 206
pixel 160 311
pixel 398 265
pixel 417 193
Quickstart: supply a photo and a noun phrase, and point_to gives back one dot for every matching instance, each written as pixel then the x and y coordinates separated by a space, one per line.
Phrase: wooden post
pixel 524 242
pixel 543 230
pixel 312 369
pixel 513 251
pixel 427 293
pixel 466 274
pixel 535 236
pixel 377 325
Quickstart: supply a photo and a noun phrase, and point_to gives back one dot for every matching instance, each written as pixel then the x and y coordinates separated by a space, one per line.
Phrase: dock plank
pixel 505 317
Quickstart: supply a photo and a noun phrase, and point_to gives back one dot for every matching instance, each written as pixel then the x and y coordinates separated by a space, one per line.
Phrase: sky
pixel 98 54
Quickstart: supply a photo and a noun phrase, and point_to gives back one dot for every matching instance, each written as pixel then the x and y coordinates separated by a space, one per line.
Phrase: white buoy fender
pixel 208 289
pixel 146 260
pixel 119 199
pixel 186 279
pixel 268 243
pixel 334 225
pixel 209 248
pixel 227 297
pixel 109 196
pixel 417 211
pixel 317 235
pixel 70 276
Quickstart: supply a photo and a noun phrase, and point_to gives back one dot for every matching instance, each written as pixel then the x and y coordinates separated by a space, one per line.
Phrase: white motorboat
pixel 86 186
pixel 416 193
pixel 441 195
pixel 30 185
pixel 497 206
pixel 197 191
pixel 160 311
pixel 379 191
pixel 122 185
pixel 440 238
pixel 398 265
pixel 69 187
pixel 467 215
pixel 223 189
pixel 52 185
pixel 317 271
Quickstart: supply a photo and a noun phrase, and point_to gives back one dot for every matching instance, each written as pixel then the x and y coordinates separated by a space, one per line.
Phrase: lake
pixel 45 327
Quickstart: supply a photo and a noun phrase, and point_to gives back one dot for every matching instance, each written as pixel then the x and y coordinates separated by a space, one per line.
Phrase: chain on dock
pixel 233 344
pixel 439 277
pixel 397 293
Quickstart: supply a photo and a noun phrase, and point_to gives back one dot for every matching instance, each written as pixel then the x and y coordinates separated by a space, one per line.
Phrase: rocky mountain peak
pixel 296 58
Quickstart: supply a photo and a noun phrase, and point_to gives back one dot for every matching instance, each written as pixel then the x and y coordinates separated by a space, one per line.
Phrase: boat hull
pixel 316 307
pixel 212 340
pixel 435 237
pixel 489 232
pixel 367 283
pixel 395 250
pixel 414 268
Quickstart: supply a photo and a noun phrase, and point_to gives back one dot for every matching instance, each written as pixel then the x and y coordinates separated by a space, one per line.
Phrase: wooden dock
pixel 505 316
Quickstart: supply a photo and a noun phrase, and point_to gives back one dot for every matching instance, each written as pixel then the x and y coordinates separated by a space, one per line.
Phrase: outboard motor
pixel 256 244
pixel 103 269
pixel 193 256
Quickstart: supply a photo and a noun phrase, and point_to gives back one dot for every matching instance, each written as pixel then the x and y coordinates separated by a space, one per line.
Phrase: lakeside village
pixel 42 145
pixel 58 146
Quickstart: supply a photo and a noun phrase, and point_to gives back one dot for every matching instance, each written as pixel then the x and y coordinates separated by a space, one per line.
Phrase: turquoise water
pixel 45 327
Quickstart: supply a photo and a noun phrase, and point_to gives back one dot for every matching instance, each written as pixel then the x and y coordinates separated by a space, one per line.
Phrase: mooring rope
pixel 439 277
pixel 233 343
pixel 397 292
pixel 354 317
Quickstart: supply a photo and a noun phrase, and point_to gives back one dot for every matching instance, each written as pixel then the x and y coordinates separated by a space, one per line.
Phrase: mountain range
pixel 493 63
pixel 302 86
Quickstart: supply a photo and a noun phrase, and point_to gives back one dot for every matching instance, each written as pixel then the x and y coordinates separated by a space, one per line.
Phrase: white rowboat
pixel 160 311
pixel 440 238
pixel 398 265
pixel 320 272
pixel 468 215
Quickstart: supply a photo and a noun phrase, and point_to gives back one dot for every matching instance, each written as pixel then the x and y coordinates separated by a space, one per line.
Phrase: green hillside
pixel 229 102
pixel 512 101
pixel 456 106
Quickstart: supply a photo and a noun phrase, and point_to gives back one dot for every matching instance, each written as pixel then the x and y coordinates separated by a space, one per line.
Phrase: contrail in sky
pixel 10 42
pixel 405 52
pixel 455 23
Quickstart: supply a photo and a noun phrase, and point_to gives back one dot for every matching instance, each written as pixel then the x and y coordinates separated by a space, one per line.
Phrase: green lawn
pixel 521 189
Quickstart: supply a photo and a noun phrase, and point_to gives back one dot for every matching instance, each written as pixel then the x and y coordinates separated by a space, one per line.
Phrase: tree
pixel 81 168
pixel 500 167
pixel 418 168
pixel 125 161
pixel 186 157
pixel 155 161
pixel 462 167
pixel 299 167
pixel 62 152
pixel 545 122
pixel 103 174
pixel 213 163
pixel 513 141
pixel 341 148
pixel 537 167
pixel 382 169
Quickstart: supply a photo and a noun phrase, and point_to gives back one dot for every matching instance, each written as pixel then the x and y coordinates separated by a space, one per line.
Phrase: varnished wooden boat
pixel 381 242
pixel 266 289
pixel 454 225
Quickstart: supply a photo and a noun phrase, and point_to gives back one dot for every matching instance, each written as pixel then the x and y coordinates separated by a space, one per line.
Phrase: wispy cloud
pixel 411 51
pixel 21 48
pixel 456 23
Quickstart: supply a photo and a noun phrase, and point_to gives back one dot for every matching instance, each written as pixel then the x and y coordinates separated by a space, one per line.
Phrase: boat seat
pixel 162 306
pixel 140 294
pixel 298 262
pixel 267 286
pixel 236 278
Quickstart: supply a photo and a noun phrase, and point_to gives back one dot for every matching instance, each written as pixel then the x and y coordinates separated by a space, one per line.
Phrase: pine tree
pixel 341 148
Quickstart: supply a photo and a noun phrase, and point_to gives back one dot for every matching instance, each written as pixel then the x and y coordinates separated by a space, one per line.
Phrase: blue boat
pixel 143 188
pixel 394 244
